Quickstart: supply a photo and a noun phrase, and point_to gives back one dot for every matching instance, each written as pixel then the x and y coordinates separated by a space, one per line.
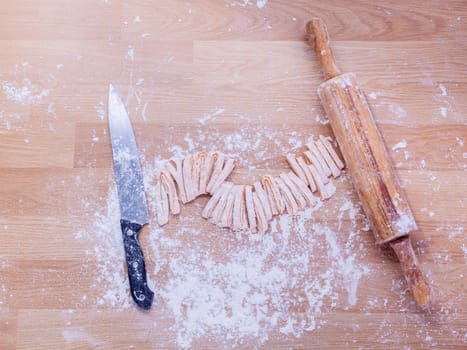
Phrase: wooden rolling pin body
pixel 367 158
pixel 368 161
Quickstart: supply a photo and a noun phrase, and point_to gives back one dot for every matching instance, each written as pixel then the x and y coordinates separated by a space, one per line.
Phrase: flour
pixel 24 92
pixel 261 3
pixel 100 109
pixel 238 290
pixel 443 90
pixel 243 294
pixel 130 55
pixel 137 19
pixel 107 254
pixel 399 145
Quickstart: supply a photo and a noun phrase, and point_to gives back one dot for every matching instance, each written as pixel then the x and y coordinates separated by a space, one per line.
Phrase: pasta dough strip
pixel 275 198
pixel 314 150
pixel 303 188
pixel 218 166
pixel 309 177
pixel 206 171
pixel 226 171
pixel 227 213
pixel 328 159
pixel 290 203
pixel 167 182
pixel 250 208
pixel 262 222
pixel 263 197
pixel 316 163
pixel 213 201
pixel 188 178
pixel 332 152
pixel 291 159
pixel 295 192
pixel 177 173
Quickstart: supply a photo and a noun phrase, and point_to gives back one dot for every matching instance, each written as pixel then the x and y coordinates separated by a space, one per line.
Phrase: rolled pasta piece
pixel 177 173
pixel 306 170
pixel 162 205
pixel 319 157
pixel 296 193
pixel 262 222
pixel 213 201
pixel 292 160
pixel 226 217
pixel 226 171
pixel 323 190
pixel 263 197
pixel 167 182
pixel 239 215
pixel 291 205
pixel 198 164
pixel 314 161
pixel 335 171
pixel 327 143
pixel 276 201
pixel 250 208
pixel 303 188
pixel 188 178
pixel 217 169
pixel 220 207
pixel 206 171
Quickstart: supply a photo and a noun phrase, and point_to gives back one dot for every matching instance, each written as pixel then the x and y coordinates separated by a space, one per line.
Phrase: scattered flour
pixel 261 3
pixel 399 145
pixel 107 255
pixel 257 286
pixel 130 55
pixel 443 90
pixel 25 92
pixel 444 111
pixel 209 116
pixel 238 290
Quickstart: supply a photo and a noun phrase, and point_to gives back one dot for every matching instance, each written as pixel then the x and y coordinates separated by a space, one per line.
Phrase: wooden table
pixel 235 76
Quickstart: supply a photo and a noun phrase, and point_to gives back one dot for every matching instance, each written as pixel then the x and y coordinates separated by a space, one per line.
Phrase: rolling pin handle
pixel 414 275
pixel 317 37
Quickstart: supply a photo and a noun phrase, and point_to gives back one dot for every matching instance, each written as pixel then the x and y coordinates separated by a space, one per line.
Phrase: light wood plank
pixel 236 76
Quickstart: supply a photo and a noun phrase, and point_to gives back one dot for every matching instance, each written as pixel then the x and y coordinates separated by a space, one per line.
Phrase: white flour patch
pixel 100 109
pixel 244 289
pixel 443 90
pixel 108 255
pixel 24 92
pixel 261 3
pixel 258 285
pixel 444 112
pixel 401 144
pixel 237 290
pixel 130 53
pixel 207 117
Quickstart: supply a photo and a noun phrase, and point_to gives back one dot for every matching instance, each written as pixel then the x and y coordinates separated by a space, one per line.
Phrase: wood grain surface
pixel 237 76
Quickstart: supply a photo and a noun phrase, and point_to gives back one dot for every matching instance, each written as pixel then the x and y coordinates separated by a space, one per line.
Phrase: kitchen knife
pixel 133 207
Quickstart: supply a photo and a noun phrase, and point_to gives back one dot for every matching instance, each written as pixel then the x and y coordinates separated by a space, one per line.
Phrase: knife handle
pixel 140 291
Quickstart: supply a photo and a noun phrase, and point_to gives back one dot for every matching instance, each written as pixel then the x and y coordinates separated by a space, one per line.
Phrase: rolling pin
pixel 367 158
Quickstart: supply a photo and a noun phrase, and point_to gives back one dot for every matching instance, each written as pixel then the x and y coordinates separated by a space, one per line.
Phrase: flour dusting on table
pixel 236 289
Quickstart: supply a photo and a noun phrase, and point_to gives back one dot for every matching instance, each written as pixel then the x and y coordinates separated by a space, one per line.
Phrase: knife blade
pixel 130 188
